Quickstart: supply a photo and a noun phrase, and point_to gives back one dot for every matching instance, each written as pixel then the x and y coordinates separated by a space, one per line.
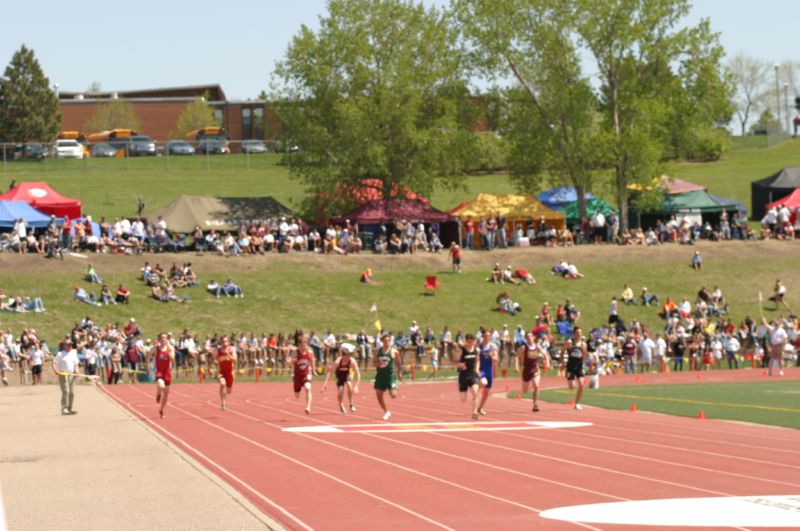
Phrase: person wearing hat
pixel 66 366
pixel 648 298
pixel 508 276
pixel 343 367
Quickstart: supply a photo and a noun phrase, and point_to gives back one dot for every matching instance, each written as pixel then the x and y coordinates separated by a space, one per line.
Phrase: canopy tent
pixel 44 199
pixel 372 214
pixel 348 195
pixel 773 188
pixel 573 214
pixel 670 185
pixel 791 201
pixel 726 202
pixel 695 202
pixel 11 211
pixel 558 198
pixel 217 213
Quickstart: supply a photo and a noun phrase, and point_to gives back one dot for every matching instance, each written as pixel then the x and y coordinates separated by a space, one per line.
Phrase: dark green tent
pixel 573 215
pixel 697 202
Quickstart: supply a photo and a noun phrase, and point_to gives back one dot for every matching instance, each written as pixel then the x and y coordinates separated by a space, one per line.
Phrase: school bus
pixel 213 140
pixel 118 138
pixel 76 135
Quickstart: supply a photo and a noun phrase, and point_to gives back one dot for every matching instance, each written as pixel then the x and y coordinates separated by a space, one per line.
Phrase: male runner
pixel 488 367
pixel 342 367
pixel 468 373
pixel 226 359
pixel 304 369
pixel 533 358
pixel 576 357
pixel 164 358
pixel 386 359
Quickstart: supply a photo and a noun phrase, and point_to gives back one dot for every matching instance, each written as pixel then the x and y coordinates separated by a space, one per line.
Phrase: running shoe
pixel 578 406
pixel 536 408
pixel 308 411
pixel 352 408
pixel 482 411
pixel 342 409
pixel 387 415
pixel 161 414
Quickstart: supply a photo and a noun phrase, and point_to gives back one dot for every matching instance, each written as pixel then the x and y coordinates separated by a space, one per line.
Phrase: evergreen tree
pixel 28 106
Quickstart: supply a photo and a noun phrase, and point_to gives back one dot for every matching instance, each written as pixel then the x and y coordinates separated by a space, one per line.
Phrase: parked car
pixel 30 152
pixel 254 147
pixel 212 146
pixel 69 149
pixel 142 145
pixel 104 150
pixel 179 147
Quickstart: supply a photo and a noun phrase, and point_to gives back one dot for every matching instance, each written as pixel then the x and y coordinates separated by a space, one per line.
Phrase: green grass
pixel 773 402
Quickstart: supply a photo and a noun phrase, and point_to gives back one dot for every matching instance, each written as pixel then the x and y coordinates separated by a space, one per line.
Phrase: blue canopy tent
pixel 558 198
pixel 725 202
pixel 11 211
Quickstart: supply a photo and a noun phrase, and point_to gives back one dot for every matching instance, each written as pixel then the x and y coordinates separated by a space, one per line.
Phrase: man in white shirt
pixel 65 365
pixel 661 352
pixel 646 348
pixel 777 341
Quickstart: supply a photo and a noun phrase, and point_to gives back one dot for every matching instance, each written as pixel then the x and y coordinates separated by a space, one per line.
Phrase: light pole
pixel 786 108
pixel 777 95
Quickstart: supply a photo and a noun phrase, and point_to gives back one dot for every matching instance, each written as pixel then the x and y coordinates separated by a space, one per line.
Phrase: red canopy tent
pixel 791 201
pixel 390 210
pixel 44 199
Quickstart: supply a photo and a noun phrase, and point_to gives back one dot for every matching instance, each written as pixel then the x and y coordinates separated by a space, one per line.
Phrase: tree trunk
pixel 581 191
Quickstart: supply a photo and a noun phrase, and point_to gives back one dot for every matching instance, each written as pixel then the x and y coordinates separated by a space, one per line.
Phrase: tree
pixel 95 87
pixel 766 123
pixel 749 75
pixel 196 115
pixel 28 105
pixel 378 92
pixel 552 121
pixel 116 114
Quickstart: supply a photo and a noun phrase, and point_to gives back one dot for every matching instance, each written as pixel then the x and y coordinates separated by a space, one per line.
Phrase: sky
pixel 149 44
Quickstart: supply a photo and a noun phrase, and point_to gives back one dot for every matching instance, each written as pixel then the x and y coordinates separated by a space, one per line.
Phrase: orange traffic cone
pixel 633 408
pixel 571 403
pixel 519 395
pixel 701 416
pixel 258 374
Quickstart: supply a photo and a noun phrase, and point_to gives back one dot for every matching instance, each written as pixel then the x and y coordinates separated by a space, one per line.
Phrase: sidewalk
pixel 101 469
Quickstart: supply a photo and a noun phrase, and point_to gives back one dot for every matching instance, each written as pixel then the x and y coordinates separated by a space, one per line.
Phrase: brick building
pixel 158 111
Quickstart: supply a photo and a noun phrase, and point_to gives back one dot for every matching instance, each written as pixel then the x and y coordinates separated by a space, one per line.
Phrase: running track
pixel 458 480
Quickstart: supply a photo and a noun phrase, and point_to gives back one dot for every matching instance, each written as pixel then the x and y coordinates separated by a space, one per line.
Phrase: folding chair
pixel 431 284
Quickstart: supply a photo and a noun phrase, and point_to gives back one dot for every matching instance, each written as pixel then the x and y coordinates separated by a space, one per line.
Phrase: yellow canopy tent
pixel 517 209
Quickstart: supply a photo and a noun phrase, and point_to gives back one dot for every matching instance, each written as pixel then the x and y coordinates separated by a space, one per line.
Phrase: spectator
pixel 83 296
pixel 91 275
pixel 779 295
pixel 627 295
pixel 106 297
pixel 123 294
pixel 506 305
pixel 523 275
pixel 697 261
pixel 648 298
pixel 366 276
pixel 65 365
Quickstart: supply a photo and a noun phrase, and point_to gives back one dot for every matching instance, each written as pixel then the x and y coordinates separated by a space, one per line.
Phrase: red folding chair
pixel 431 284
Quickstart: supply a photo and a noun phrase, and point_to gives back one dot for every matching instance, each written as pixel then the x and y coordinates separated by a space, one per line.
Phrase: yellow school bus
pixel 118 138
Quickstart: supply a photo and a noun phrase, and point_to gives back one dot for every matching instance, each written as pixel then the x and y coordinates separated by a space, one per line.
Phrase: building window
pixel 218 115
pixel 247 119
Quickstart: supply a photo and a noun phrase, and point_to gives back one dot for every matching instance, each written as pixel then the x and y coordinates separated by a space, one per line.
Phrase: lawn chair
pixel 431 284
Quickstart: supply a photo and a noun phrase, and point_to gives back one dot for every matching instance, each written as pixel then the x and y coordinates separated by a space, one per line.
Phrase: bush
pixel 491 154
pixel 707 144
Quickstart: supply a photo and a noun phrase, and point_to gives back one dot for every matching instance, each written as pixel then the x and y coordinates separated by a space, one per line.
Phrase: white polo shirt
pixel 66 361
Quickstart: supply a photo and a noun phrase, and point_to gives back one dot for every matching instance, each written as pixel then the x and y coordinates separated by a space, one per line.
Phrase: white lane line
pixel 313 469
pixel 424 427
pixel 216 465
pixel 2 514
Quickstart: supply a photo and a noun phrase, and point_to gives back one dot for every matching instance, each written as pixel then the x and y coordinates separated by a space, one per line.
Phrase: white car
pixel 69 149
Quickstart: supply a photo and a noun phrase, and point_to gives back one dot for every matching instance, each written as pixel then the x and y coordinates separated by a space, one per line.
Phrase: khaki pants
pixel 67 384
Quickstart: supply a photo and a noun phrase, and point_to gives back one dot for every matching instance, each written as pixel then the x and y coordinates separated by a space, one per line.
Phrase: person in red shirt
pixel 226 359
pixel 164 358
pixel 66 233
pixel 342 368
pixel 455 254
pixel 304 369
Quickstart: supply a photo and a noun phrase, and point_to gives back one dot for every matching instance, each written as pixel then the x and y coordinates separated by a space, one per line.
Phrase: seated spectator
pixel 627 295
pixel 651 238
pixel 496 276
pixel 571 311
pixel 435 243
pixel 648 298
pixel 381 246
pixel 508 276
pixel 505 304
pixel 229 289
pixel 697 261
pixel 106 297
pixel 395 244
pixel 670 309
pixel 32 304
pixel 189 275
pixel 123 294
pixel 366 276
pixel 566 237
pixel 91 275
pixel 83 296
pixel 159 293
pixel 169 291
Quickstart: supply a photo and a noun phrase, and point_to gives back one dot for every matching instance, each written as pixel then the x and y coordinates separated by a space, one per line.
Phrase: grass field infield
pixel 774 402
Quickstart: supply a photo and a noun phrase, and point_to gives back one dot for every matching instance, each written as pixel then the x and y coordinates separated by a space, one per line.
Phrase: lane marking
pixel 424 427
pixel 213 463
pixel 309 467
pixel 737 511
pixel 2 514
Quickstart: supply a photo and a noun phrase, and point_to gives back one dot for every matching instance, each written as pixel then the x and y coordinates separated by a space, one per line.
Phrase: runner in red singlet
pixel 342 367
pixel 304 370
pixel 164 358
pixel 226 360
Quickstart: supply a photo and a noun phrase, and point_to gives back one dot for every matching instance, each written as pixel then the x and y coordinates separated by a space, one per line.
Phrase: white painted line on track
pixel 425 427
pixel 2 513
pixel 735 511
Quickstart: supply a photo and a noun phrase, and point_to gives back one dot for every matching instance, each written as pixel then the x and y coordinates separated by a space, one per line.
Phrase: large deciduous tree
pixel 116 114
pixel 196 115
pixel 378 93
pixel 28 105
pixel 750 77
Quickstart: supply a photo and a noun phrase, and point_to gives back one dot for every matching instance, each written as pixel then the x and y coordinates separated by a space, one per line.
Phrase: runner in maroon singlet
pixel 342 367
pixel 533 358
pixel 304 369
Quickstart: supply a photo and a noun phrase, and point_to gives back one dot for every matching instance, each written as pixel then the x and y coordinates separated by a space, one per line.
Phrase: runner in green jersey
pixel 387 372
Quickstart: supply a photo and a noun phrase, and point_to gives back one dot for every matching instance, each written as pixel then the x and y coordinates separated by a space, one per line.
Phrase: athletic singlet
pixel 486 363
pixel 343 370
pixel 385 362
pixel 469 359
pixel 302 364
pixel 531 358
pixel 163 361
pixel 575 356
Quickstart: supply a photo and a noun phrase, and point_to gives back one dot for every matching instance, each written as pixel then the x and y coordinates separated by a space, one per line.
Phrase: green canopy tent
pixel 573 214
pixel 693 205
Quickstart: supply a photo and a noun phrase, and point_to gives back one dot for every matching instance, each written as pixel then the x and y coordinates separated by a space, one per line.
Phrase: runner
pixel 164 358
pixel 226 359
pixel 468 373
pixel 576 356
pixel 533 358
pixel 488 367
pixel 386 359
pixel 304 369
pixel 342 367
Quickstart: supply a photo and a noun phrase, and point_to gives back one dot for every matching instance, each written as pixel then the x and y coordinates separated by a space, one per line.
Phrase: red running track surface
pixel 464 479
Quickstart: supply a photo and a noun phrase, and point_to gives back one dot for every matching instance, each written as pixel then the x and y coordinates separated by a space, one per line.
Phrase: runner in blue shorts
pixel 487 366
